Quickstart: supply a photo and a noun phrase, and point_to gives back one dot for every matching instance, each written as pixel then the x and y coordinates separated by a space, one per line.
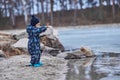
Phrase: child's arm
pixel 37 31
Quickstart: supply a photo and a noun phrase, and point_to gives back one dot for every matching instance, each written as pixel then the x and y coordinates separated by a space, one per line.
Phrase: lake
pixel 99 39
pixel 102 40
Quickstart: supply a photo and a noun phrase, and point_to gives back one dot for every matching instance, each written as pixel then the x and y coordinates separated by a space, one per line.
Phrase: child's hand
pixel 47 26
pixel 38 25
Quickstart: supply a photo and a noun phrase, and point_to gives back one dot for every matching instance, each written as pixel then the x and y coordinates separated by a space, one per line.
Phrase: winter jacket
pixel 34 39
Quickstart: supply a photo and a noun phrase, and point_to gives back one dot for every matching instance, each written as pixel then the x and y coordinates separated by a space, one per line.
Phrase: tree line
pixel 12 8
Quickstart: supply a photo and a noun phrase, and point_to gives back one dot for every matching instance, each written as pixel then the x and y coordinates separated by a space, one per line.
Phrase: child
pixel 33 30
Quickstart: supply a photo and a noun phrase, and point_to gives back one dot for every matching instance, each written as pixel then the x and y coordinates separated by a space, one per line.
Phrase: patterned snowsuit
pixel 34 43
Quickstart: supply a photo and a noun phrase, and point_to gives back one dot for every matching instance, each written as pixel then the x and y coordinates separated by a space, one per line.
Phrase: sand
pixel 14 68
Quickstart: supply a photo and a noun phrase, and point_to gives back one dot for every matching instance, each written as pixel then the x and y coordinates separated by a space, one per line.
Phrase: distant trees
pixel 13 8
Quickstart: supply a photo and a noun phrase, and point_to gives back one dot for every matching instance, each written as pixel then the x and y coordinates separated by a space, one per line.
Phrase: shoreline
pixel 89 26
pixel 58 28
pixel 14 68
pixel 66 27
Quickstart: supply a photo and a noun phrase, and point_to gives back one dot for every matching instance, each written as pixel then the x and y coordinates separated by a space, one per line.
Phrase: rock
pixel 52 42
pixel 2 54
pixel 16 44
pixel 20 35
pixel 87 51
pixel 5 46
pixel 21 43
pixel 54 52
pixel 47 38
pixel 11 51
pixel 70 55
pixel 24 34
pixel 77 54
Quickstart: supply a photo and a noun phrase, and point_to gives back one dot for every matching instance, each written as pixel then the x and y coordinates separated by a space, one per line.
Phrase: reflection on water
pixel 99 68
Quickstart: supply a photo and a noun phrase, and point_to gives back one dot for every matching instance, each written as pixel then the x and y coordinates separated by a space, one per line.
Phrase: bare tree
pixel 101 15
pixel 81 3
pixel 42 8
pixel 12 15
pixel 24 8
pixel 75 11
pixel 118 1
pixel 51 10
pixel 5 7
pixel 113 9
pixel 38 6
pixel 47 7
pixel 90 2
pixel 108 2
pixel 32 6
pixel 63 4
pixel 70 3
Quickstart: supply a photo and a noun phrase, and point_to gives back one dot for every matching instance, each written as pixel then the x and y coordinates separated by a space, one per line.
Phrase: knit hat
pixel 34 20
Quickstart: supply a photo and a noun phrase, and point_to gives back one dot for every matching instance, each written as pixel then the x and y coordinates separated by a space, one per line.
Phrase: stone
pixel 2 54
pixel 54 52
pixel 71 55
pixel 21 43
pixel 77 54
pixel 20 35
pixel 52 42
pixel 86 51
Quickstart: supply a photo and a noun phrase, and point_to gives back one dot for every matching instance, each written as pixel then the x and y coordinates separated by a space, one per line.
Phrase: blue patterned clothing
pixel 34 42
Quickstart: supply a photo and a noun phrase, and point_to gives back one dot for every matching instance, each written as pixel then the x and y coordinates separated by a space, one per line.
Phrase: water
pixel 102 39
pixel 100 68
pixel 105 40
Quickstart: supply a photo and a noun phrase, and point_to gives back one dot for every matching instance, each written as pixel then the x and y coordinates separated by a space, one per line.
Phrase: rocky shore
pixel 15 57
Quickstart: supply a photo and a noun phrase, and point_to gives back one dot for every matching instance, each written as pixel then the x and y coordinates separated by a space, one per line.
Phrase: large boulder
pixel 22 44
pixel 48 38
pixel 7 49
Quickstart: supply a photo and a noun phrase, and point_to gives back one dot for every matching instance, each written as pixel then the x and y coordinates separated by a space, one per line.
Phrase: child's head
pixel 34 21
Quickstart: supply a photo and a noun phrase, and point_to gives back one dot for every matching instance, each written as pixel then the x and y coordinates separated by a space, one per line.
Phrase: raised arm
pixel 35 30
